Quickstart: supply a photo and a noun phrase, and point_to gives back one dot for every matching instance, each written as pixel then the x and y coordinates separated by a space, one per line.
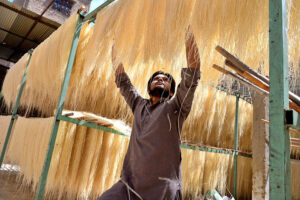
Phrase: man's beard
pixel 159 92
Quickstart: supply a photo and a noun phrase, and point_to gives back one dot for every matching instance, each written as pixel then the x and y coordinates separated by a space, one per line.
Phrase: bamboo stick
pixel 259 83
pixel 243 80
pixel 263 84
pixel 294 131
pixel 242 67
pixel 294 106
pixel 295 139
pixel 248 76
pixel 291 130
pixel 295 143
pixel 255 86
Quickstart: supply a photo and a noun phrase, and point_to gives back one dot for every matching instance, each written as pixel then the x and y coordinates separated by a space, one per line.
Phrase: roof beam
pixel 31 28
pixel 20 36
pixel 28 16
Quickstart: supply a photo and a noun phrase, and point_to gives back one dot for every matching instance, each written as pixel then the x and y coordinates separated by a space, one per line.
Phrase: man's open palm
pixel 192 52
pixel 118 67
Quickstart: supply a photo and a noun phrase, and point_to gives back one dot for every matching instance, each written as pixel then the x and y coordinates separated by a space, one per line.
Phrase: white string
pixel 134 192
pixel 182 104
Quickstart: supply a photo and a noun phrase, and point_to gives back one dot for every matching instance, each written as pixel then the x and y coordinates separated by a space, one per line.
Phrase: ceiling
pixel 21 30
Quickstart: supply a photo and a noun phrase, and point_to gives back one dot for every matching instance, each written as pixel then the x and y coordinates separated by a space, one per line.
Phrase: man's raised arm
pixel 123 82
pixel 189 76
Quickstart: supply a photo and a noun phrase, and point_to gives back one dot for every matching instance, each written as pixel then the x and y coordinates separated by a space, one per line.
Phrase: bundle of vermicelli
pixel 4 123
pixel 148 36
pixel 87 161
pixel 97 93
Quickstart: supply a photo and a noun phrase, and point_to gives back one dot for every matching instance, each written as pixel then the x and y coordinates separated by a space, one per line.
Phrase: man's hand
pixel 192 52
pixel 118 67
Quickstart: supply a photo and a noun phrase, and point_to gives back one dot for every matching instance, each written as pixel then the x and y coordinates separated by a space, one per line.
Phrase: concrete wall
pixel 260 148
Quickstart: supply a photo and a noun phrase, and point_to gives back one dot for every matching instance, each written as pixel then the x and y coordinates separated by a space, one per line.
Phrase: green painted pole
pixel 90 125
pixel 236 144
pixel 91 15
pixel 110 130
pixel 279 102
pixel 14 113
pixel 63 93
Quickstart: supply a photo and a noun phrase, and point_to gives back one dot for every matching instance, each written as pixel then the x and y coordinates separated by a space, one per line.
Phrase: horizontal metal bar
pixel 92 14
pixel 234 94
pixel 110 130
pixel 90 125
pixel 17 35
pixel 185 146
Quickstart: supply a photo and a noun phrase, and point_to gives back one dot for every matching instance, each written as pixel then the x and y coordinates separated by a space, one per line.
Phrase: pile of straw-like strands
pixel 148 36
pixel 100 90
pixel 4 123
pixel 205 171
pixel 86 162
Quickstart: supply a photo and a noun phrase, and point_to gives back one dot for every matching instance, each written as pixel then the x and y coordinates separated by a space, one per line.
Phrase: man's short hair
pixel 173 84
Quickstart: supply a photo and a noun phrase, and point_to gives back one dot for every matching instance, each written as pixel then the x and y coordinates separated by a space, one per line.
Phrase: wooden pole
pixel 241 67
pixel 255 83
pixel 291 130
pixel 241 79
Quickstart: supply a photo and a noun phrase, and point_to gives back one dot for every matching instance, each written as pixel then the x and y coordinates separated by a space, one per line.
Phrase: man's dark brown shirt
pixel 153 160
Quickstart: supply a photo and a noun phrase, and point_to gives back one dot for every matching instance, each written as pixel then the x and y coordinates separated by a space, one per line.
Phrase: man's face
pixel 161 82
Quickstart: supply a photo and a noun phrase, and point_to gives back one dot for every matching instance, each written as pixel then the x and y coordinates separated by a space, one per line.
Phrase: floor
pixel 10 189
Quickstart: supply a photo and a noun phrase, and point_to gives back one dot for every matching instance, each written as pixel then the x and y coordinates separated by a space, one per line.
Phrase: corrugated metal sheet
pixel 17 55
pixel 12 40
pixel 2 36
pixel 7 18
pixel 26 45
pixel 40 32
pixel 46 34
pixel 14 46
pixel 5 52
pixel 21 25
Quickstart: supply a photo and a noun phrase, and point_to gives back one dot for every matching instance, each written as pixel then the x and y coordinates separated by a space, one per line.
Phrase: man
pixel 152 166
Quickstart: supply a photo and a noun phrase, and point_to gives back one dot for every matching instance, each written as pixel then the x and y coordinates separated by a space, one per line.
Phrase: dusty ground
pixel 10 189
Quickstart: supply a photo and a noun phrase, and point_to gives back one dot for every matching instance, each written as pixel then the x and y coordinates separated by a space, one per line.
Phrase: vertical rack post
pixel 236 144
pixel 279 101
pixel 14 113
pixel 60 105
